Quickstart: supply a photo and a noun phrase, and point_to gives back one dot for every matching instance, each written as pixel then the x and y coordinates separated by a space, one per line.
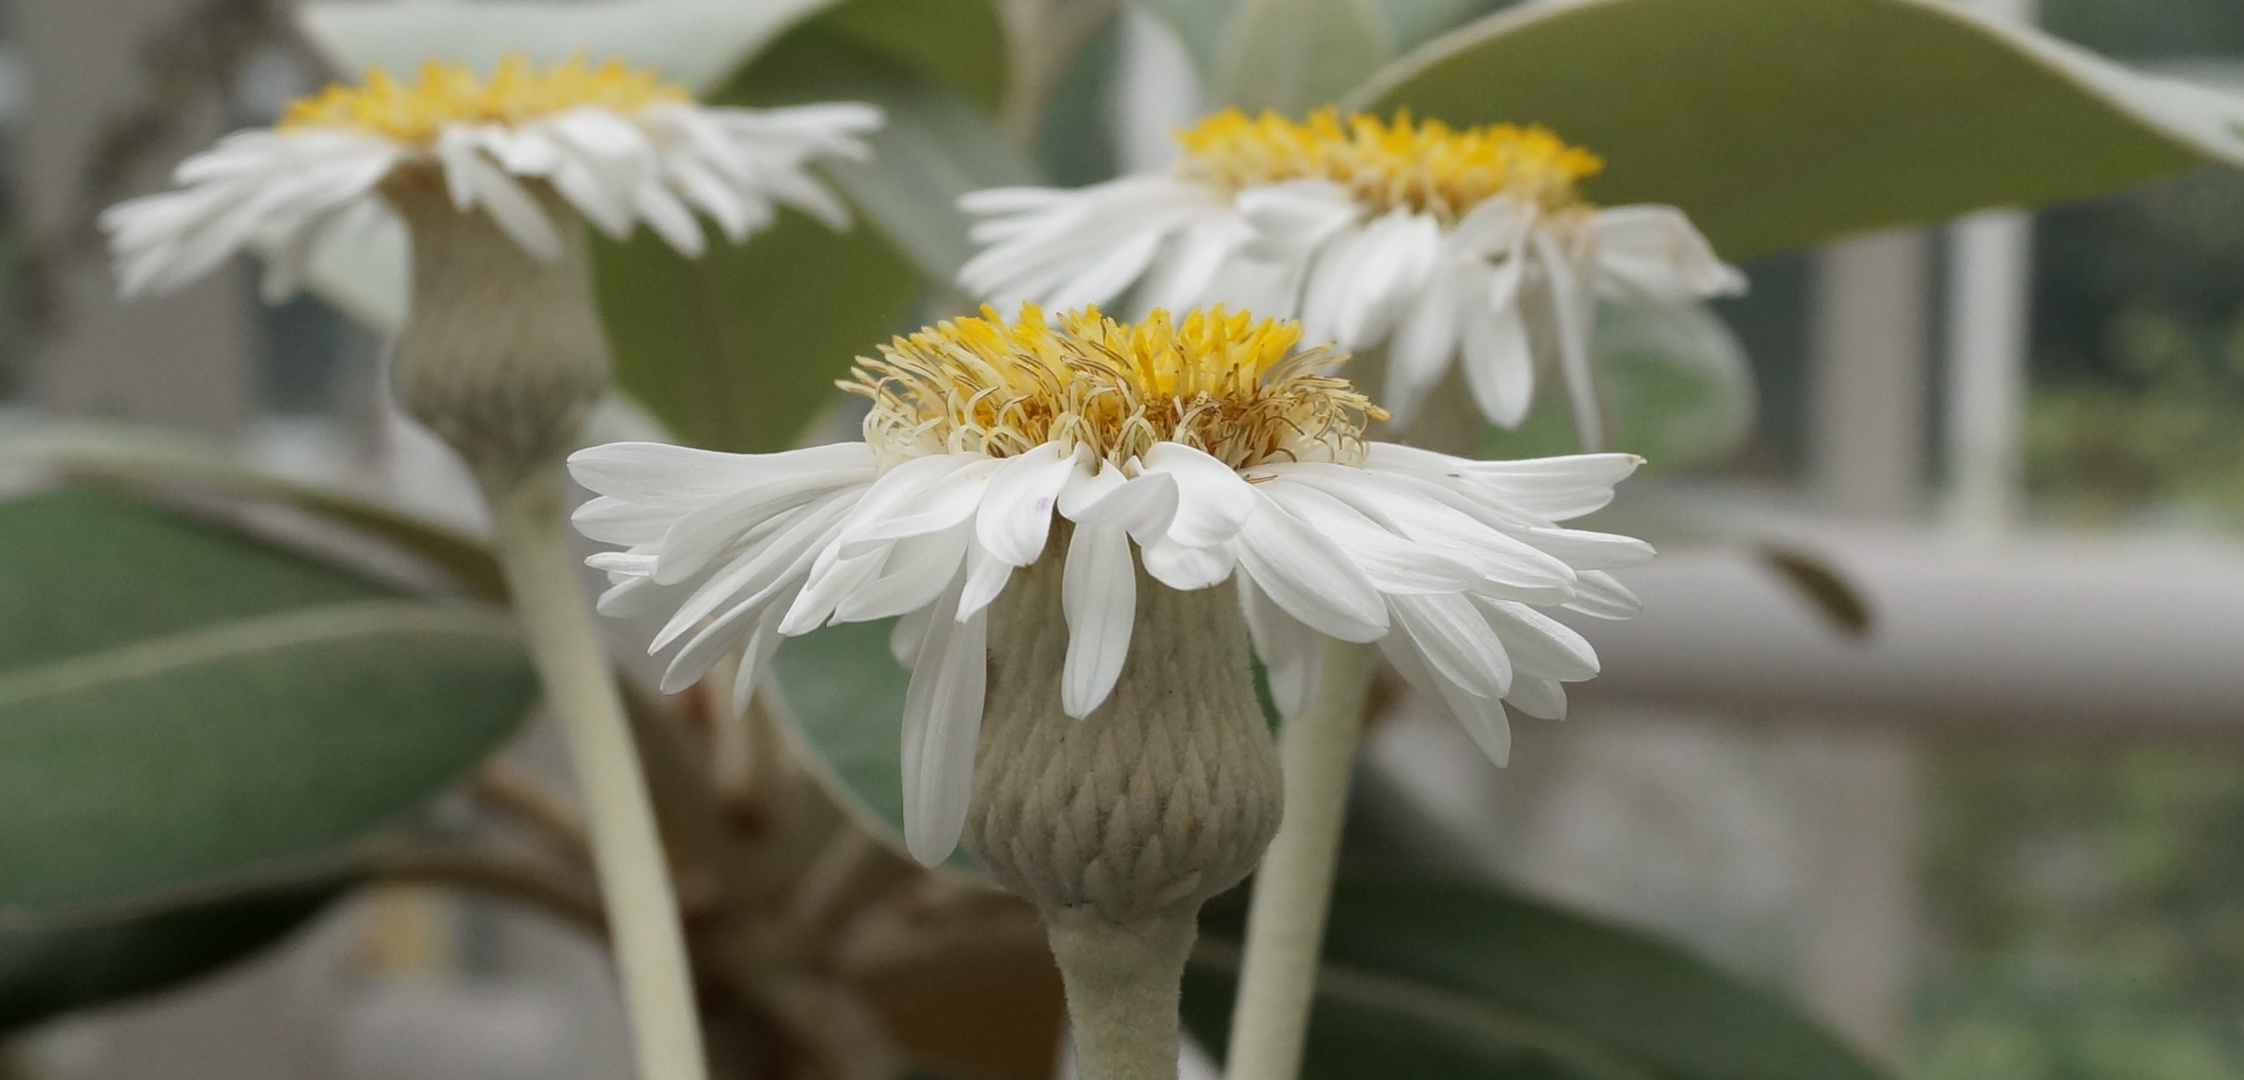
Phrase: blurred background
pixel 1998 836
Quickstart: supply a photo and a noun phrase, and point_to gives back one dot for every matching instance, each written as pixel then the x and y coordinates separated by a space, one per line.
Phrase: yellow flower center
pixel 451 93
pixel 1425 165
pixel 1220 382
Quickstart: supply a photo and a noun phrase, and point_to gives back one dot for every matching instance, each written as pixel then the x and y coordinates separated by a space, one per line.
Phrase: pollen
pixel 1222 382
pixel 452 93
pixel 1425 165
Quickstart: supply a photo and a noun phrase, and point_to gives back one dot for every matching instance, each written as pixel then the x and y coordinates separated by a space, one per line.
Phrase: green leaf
pixel 1777 123
pixel 695 42
pixel 1199 25
pixel 736 350
pixel 45 973
pixel 1298 55
pixel 841 693
pixel 1411 22
pixel 182 708
pixel 956 44
pixel 143 458
pixel 1433 980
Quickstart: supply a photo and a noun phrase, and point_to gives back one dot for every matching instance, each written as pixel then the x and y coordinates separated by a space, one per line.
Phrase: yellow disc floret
pixel 1222 382
pixel 1425 165
pixel 452 93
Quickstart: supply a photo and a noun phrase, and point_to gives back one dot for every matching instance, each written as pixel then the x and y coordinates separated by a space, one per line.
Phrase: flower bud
pixel 503 354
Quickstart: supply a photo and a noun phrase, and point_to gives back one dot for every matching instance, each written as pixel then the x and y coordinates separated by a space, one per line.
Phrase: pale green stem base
pixel 580 688
pixel 1293 888
pixel 1122 986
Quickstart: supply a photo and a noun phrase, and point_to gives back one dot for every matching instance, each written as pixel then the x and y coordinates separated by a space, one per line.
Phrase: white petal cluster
pixel 286 192
pixel 1494 283
pixel 1442 561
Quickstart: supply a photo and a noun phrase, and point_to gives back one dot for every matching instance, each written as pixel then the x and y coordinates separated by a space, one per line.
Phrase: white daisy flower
pixel 615 145
pixel 1430 241
pixel 1209 452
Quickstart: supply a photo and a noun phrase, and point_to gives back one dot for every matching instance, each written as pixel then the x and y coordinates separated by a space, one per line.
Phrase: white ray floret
pixel 1205 452
pixel 617 146
pixel 1438 244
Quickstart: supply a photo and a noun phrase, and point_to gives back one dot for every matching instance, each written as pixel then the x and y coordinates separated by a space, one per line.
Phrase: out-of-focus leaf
pixel 1435 980
pixel 45 973
pixel 1412 22
pixel 143 458
pixel 736 350
pixel 1199 25
pixel 841 692
pixel 956 44
pixel 1777 123
pixel 695 42
pixel 1823 587
pixel 1297 55
pixel 1075 142
pixel 182 708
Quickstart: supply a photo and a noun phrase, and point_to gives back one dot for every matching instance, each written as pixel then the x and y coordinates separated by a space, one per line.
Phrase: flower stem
pixel 1122 989
pixel 580 687
pixel 1293 889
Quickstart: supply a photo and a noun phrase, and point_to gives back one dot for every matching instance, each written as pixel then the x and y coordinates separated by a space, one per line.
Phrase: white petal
pixel 1308 575
pixel 1599 595
pixel 1456 641
pixel 986 577
pixel 1212 501
pixel 1499 363
pixel 1573 309
pixel 1187 568
pixel 1419 352
pixel 1016 511
pixel 1482 718
pixel 1145 505
pixel 1655 252
pixel 942 723
pixel 1543 699
pixel 950 496
pixel 1292 654
pixel 1538 644
pixel 761 644
pixel 910 633
pixel 916 573
pixel 1098 593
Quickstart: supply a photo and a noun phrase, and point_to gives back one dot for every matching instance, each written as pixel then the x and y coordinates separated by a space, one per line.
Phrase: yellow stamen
pixel 1219 381
pixel 1425 165
pixel 451 93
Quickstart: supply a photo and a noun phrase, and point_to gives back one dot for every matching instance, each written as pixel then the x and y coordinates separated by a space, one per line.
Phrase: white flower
pixel 618 146
pixel 1207 451
pixel 1429 240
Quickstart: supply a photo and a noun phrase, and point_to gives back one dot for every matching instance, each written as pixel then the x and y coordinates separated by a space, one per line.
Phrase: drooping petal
pixel 942 724
pixel 1308 575
pixel 1098 594
pixel 1016 511
pixel 1292 654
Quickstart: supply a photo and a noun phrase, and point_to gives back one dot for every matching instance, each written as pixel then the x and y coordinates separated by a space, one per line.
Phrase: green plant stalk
pixel 1293 888
pixel 627 850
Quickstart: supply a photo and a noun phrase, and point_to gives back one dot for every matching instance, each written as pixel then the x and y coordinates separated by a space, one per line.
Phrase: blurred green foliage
pixel 2086 912
pixel 2138 403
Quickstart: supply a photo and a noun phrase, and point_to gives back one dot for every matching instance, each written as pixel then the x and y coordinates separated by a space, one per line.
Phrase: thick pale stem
pixel 580 688
pixel 1122 990
pixel 1293 889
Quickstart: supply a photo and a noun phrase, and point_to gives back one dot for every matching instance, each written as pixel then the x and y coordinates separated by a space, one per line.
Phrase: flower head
pixel 1206 451
pixel 1427 239
pixel 617 145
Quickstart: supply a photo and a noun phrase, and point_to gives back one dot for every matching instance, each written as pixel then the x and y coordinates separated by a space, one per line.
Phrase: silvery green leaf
pixel 698 43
